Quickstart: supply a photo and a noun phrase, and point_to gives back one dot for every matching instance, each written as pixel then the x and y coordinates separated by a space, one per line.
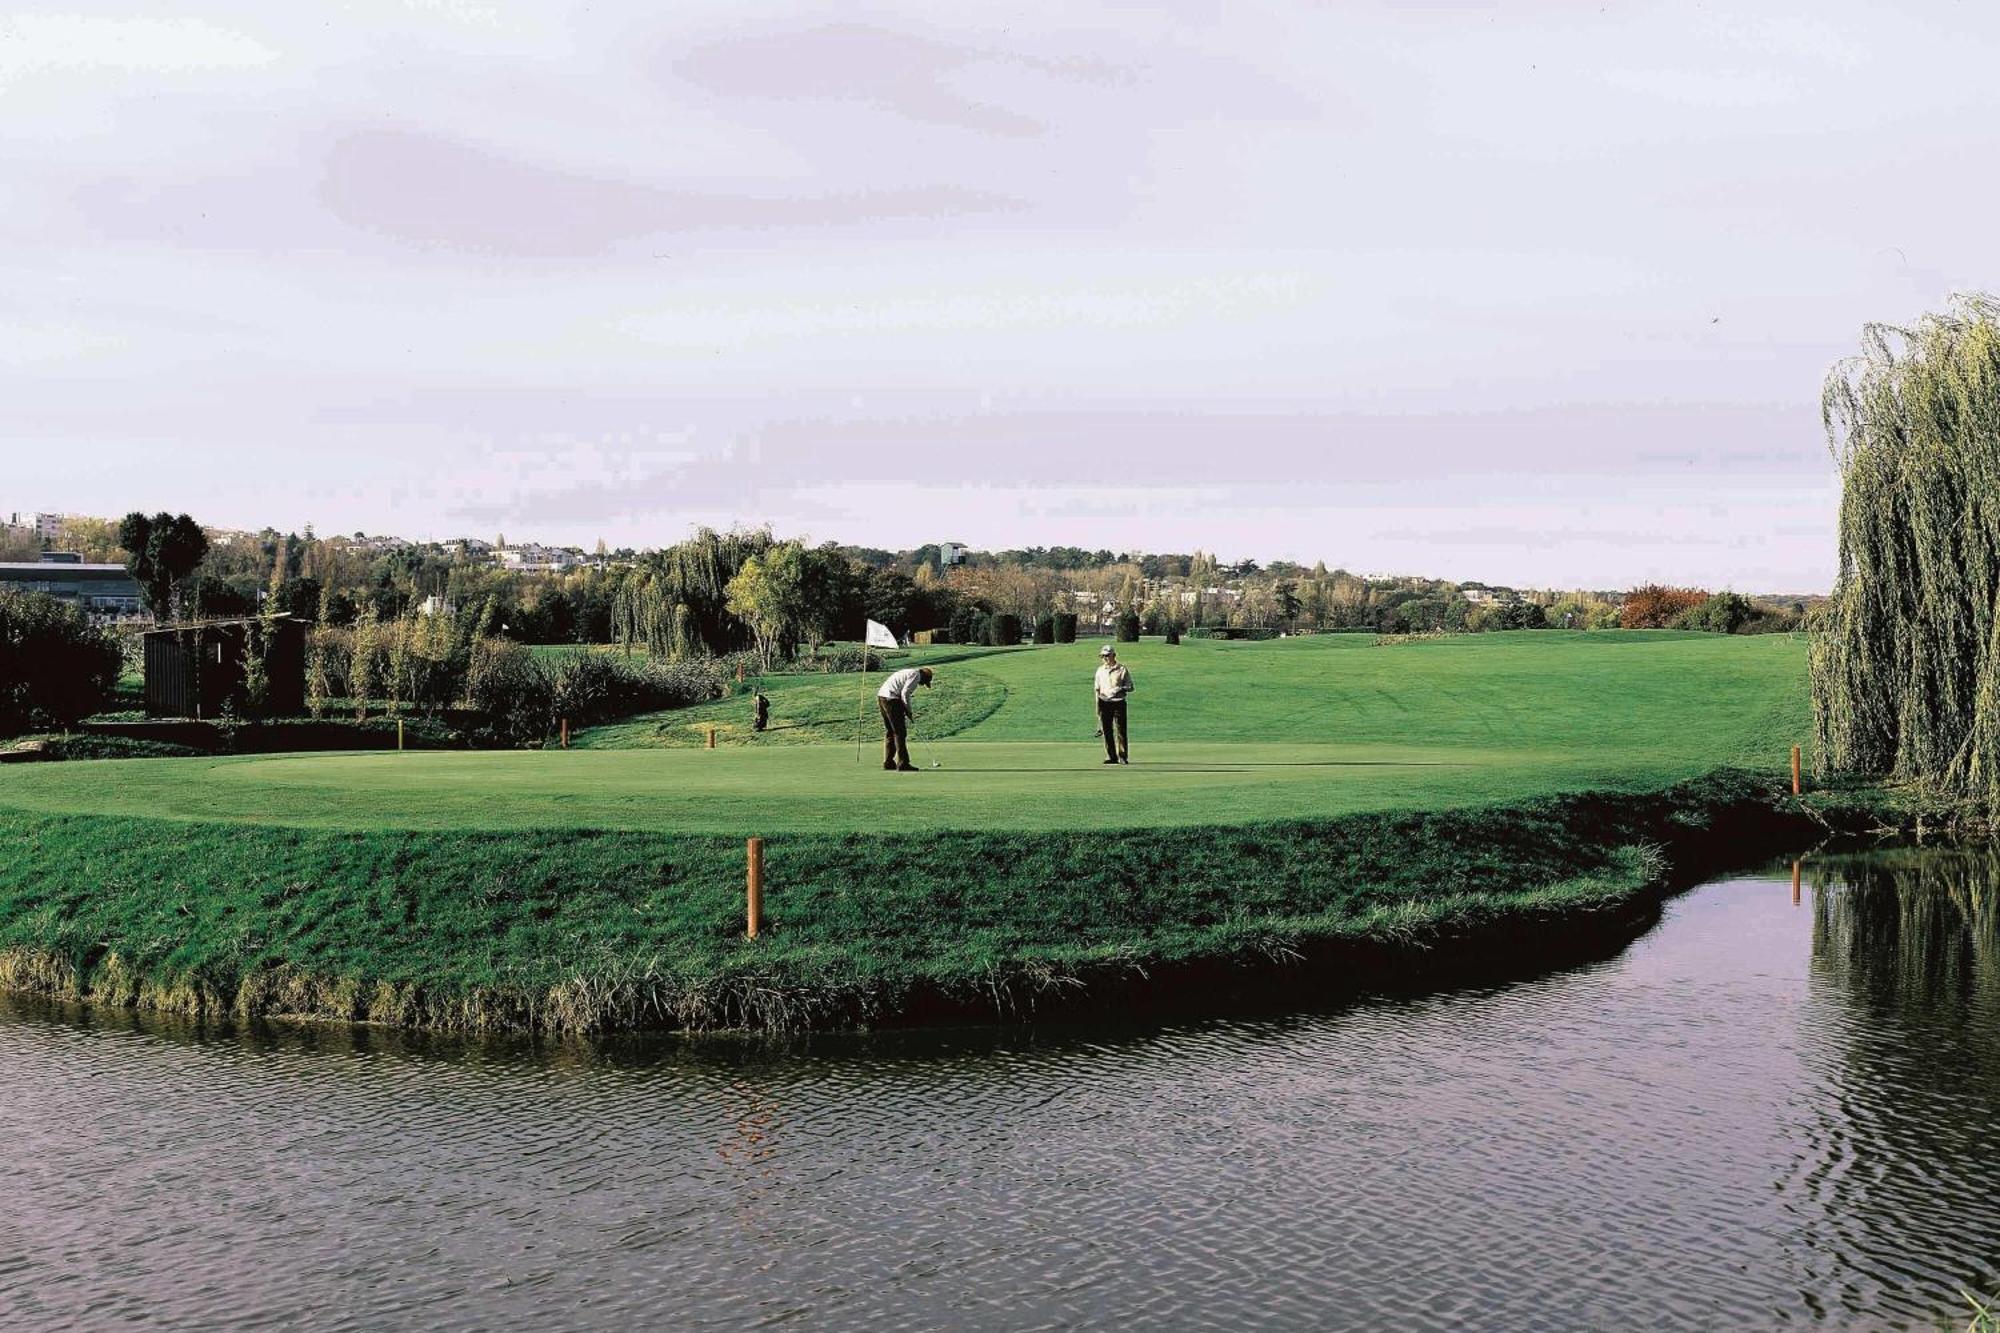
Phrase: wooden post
pixel 565 733
pixel 756 885
pixel 399 734
pixel 711 738
pixel 1795 883
pixel 1798 783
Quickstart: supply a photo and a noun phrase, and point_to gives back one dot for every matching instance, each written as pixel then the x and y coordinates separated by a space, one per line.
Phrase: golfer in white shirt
pixel 894 698
pixel 1114 682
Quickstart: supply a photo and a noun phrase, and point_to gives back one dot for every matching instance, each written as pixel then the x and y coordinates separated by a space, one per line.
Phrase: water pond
pixel 1759 1114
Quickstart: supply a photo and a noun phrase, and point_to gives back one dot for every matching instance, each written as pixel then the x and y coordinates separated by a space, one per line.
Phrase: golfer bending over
pixel 894 697
pixel 1114 682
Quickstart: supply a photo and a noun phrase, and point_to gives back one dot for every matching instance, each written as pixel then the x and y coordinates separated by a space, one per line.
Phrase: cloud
pixel 432 191
pixel 80 43
pixel 1290 460
pixel 910 75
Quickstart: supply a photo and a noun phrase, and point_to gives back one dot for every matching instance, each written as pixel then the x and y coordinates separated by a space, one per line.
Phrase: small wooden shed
pixel 199 670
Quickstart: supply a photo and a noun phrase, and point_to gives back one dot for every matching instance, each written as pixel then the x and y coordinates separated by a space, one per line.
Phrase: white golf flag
pixel 879 636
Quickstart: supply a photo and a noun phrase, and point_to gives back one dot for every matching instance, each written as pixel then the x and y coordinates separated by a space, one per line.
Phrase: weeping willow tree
pixel 676 603
pixel 1906 668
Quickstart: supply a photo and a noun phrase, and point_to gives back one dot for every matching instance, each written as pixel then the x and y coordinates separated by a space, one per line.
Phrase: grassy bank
pixel 601 931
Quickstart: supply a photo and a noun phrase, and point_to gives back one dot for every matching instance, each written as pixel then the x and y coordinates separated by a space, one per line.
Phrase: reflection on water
pixel 1758 1115
pixel 1905 1181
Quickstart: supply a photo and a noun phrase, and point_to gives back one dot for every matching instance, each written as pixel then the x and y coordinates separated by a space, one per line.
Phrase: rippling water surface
pixel 1760 1114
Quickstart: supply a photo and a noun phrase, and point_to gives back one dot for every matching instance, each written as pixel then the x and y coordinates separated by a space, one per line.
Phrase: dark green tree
pixel 55 667
pixel 162 552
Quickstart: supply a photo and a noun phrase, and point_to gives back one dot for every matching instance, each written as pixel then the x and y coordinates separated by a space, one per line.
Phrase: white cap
pixel 1107 651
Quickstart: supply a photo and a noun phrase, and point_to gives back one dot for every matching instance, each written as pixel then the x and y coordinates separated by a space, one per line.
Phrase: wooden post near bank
pixel 1795 883
pixel 711 738
pixel 1798 782
pixel 756 885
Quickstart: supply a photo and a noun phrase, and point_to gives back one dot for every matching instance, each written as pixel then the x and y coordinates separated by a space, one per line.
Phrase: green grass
pixel 1321 799
pixel 1223 733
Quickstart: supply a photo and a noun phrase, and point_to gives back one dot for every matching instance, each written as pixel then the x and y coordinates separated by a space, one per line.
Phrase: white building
pixel 529 558
pixel 951 553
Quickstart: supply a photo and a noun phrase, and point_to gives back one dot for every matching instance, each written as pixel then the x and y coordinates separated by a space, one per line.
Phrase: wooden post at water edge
pixel 756 885
pixel 1795 883
pixel 1798 781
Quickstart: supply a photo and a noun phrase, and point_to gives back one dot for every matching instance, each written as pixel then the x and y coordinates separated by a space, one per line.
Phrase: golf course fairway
pixel 1222 733
pixel 1307 813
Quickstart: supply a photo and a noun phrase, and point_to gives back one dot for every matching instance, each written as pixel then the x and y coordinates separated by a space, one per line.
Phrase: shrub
pixel 965 625
pixel 596 687
pixel 1003 631
pixel 1655 607
pixel 1772 620
pixel 1045 629
pixel 55 749
pixel 55 668
pixel 1173 634
pixel 514 696
pixel 1723 613
pixel 1065 627
pixel 849 658
pixel 586 686
pixel 1128 628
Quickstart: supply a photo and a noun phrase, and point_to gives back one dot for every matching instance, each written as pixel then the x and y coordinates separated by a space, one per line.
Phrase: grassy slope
pixel 621 930
pixel 1223 733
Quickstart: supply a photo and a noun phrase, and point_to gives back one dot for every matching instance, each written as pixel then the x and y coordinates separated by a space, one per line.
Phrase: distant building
pixel 49 529
pixel 950 554
pixel 532 559
pixel 435 605
pixel 105 593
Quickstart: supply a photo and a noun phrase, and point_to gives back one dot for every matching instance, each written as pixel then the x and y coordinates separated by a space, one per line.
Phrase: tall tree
pixel 768 595
pixel 162 552
pixel 1906 671
pixel 675 602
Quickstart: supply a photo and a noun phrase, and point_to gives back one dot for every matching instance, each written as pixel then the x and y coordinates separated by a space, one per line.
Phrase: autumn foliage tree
pixel 1656 607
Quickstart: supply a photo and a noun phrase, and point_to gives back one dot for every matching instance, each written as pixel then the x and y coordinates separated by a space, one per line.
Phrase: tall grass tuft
pixel 1906 666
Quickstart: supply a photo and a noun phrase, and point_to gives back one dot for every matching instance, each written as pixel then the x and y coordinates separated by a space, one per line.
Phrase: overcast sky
pixel 1533 292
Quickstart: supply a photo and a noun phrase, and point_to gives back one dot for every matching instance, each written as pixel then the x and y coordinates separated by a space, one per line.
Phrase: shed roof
pixel 217 624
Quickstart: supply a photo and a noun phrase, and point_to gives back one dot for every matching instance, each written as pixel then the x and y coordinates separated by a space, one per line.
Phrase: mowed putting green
pixel 1223 733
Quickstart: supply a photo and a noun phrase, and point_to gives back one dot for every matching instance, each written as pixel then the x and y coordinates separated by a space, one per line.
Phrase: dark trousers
pixel 1111 720
pixel 895 733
